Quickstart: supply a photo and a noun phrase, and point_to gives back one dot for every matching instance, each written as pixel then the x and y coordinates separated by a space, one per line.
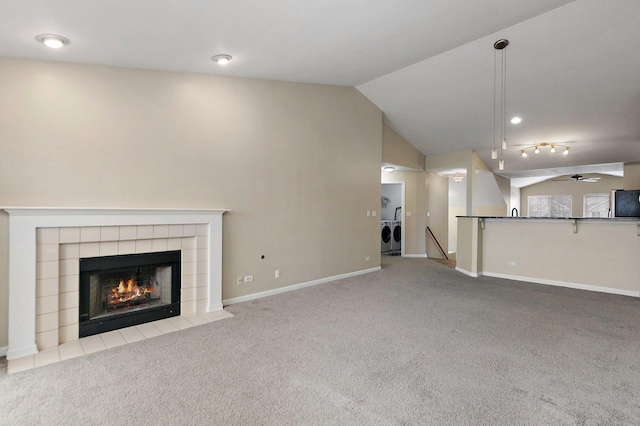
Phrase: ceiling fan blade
pixel 577 178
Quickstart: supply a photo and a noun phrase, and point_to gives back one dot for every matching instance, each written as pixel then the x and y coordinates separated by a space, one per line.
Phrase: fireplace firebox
pixel 126 290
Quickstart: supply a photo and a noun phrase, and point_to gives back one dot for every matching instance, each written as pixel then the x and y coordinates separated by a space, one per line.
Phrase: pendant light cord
pixel 500 45
pixel 504 98
pixel 495 95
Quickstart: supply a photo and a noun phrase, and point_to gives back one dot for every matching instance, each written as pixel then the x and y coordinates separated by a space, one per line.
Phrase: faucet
pixel 514 212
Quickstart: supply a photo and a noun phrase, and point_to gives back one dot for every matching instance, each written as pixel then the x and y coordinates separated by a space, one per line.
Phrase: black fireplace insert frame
pixel 89 265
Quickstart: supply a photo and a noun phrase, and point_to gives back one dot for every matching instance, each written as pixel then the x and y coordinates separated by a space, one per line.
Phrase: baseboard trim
pixel 21 352
pixel 577 286
pixel 214 308
pixel 3 350
pixel 464 271
pixel 421 256
pixel 273 292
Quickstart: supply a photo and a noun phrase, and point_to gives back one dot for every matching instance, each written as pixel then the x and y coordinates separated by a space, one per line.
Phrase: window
pixel 549 205
pixel 595 205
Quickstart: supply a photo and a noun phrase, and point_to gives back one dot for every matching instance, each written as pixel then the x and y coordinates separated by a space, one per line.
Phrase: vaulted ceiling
pixel 572 66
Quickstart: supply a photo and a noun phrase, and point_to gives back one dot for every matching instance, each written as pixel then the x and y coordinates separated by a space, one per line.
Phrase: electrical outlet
pixel 408 214
pixel 239 281
pixel 368 258
pixel 248 279
pixel 511 263
pixel 368 213
pixel 277 273
pixel 374 213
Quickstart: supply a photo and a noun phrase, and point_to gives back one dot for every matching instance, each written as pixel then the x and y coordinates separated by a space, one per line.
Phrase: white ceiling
pixel 573 75
pixel 573 67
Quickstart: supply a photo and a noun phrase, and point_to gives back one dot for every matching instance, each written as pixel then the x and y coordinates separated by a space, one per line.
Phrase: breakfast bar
pixel 597 254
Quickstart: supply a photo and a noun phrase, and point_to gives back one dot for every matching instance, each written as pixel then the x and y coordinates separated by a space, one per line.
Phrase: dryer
pixel 396 236
pixel 386 236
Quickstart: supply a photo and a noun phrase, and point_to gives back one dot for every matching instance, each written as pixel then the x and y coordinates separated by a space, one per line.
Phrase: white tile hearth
pixel 112 339
pixel 21 364
pixel 67 351
pixel 46 357
pixel 132 334
pixel 92 344
pixel 149 330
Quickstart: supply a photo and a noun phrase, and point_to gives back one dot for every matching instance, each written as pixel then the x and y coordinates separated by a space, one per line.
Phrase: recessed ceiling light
pixel 221 59
pixel 516 120
pixel 52 40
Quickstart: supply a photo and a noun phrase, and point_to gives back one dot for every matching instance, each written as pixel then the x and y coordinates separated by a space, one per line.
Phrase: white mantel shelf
pixel 24 222
pixel 54 211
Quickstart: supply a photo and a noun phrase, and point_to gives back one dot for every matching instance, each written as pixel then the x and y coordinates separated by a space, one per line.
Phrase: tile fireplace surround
pixel 45 245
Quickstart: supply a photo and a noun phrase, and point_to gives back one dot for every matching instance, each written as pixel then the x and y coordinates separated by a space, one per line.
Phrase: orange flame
pixel 127 291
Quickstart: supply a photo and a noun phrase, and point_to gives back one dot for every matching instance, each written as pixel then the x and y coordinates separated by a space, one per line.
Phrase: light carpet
pixel 415 343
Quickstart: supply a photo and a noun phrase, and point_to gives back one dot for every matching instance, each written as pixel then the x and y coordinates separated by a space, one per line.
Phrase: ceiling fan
pixel 578 178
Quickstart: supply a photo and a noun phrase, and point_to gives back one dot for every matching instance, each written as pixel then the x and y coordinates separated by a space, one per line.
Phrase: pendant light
pixel 499 119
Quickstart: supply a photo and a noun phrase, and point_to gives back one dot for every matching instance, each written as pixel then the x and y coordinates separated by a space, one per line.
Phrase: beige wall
pixel 476 195
pixel 469 253
pixel 454 212
pixel 299 164
pixel 505 188
pixel 415 203
pixel 396 150
pixel 515 200
pixel 490 211
pixel 438 208
pixel 575 189
pixel 472 163
pixel 488 196
pixel 453 160
pixel 631 180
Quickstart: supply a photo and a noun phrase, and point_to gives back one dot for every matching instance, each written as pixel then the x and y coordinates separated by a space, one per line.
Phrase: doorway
pixel 391 213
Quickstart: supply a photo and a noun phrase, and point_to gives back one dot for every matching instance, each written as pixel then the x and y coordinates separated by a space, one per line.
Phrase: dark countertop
pixel 612 219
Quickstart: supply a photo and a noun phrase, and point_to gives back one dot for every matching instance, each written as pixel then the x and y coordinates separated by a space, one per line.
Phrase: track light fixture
pixel 552 148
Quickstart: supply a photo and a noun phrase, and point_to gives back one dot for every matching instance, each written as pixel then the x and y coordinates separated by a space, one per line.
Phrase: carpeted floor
pixel 416 343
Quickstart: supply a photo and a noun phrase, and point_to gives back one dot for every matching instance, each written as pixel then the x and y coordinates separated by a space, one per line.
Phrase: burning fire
pixel 127 291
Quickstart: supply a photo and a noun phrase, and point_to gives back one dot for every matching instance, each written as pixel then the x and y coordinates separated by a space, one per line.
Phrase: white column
pixel 215 263
pixel 22 288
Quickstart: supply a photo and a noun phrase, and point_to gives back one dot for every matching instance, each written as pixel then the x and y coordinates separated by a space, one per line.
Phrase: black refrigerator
pixel 625 203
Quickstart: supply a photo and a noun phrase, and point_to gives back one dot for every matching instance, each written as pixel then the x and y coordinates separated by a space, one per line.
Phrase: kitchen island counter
pixel 598 254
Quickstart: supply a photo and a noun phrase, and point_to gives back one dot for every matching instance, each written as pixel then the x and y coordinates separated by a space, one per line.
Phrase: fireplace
pixel 45 245
pixel 125 290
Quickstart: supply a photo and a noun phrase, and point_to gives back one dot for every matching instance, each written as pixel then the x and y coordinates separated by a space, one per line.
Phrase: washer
pixel 386 236
pixel 396 233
